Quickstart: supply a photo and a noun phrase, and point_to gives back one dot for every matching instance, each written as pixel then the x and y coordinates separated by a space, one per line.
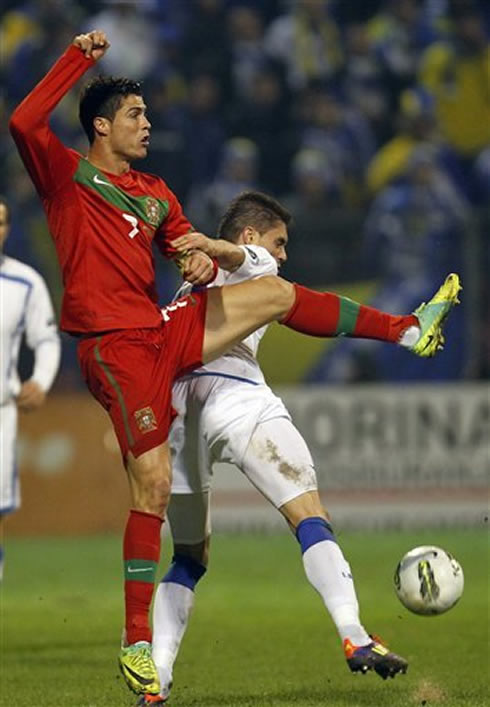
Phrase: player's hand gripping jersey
pixel 240 363
pixel 102 224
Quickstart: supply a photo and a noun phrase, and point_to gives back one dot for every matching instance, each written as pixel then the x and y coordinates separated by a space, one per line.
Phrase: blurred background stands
pixel 371 120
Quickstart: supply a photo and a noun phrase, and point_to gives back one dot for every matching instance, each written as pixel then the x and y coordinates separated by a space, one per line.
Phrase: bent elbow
pixel 17 124
pixel 22 121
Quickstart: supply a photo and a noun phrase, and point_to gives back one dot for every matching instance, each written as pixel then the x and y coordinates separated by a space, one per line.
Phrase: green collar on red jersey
pixel 148 208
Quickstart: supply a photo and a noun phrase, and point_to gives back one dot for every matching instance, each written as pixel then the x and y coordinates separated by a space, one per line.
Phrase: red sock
pixel 326 314
pixel 141 555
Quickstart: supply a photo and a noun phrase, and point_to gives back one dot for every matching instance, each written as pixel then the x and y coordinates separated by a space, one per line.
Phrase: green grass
pixel 259 634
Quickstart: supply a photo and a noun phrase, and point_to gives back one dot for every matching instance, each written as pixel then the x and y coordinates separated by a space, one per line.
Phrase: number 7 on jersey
pixel 134 222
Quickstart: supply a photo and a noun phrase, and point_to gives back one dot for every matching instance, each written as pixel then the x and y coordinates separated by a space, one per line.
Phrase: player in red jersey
pixel 103 217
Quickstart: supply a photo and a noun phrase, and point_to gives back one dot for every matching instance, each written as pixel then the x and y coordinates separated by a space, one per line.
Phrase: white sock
pixel 329 573
pixel 410 336
pixel 172 607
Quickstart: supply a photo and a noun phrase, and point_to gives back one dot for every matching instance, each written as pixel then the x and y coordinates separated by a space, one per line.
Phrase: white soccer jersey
pixel 25 307
pixel 240 362
pixel 231 399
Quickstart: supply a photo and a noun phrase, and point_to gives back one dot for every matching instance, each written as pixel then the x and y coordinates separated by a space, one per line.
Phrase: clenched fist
pixel 94 44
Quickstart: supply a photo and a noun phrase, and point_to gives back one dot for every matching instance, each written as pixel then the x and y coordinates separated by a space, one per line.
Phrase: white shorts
pixel 245 425
pixel 9 479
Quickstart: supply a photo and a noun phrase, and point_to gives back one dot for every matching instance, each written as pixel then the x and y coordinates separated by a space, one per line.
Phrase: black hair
pixel 4 202
pixel 101 97
pixel 251 208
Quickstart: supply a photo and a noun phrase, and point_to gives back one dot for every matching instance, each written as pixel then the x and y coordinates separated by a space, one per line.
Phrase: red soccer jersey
pixel 102 224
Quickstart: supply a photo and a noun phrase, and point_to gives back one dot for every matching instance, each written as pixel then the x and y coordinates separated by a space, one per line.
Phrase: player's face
pixel 275 240
pixel 129 131
pixel 4 224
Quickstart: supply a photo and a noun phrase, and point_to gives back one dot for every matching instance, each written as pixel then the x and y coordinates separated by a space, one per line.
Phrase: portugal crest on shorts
pixel 153 211
pixel 146 420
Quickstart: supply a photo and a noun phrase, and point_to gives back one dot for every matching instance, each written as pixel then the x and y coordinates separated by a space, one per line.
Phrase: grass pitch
pixel 259 634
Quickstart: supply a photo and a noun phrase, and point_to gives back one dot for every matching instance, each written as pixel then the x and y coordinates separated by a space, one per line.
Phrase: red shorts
pixel 130 372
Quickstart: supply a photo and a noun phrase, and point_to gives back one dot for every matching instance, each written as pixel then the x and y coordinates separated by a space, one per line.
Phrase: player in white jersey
pixel 25 309
pixel 239 420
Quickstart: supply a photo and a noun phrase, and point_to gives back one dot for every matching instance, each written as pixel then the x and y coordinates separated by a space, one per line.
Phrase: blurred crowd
pixel 369 119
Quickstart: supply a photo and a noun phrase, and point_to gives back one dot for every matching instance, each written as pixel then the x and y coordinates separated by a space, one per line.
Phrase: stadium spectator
pixel 188 130
pixel 457 74
pixel 481 180
pixel 481 177
pixel 206 33
pixel 346 139
pixel 204 130
pixel 398 33
pixel 363 81
pixel 134 35
pixel 417 126
pixel 168 98
pixel 245 29
pixel 238 171
pixel 414 231
pixel 306 41
pixel 25 310
pixel 321 224
pixel 263 116
pixel 28 43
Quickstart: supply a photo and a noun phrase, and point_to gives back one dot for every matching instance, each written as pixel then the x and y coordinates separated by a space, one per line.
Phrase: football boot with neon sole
pixel 432 315
pixel 151 700
pixel 375 656
pixel 138 669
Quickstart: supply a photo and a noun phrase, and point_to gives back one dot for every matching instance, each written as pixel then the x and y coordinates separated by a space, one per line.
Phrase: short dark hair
pixel 251 208
pixel 102 97
pixel 4 202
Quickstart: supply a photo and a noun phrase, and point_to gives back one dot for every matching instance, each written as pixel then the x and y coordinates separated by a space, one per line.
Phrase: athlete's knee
pixel 150 480
pixel 158 490
pixel 152 494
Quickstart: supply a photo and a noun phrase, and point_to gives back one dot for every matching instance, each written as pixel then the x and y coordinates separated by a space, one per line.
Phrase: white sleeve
pixel 257 263
pixel 42 334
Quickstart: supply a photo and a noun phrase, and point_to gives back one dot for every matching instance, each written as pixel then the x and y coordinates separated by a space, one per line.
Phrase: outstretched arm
pixel 229 255
pixel 47 160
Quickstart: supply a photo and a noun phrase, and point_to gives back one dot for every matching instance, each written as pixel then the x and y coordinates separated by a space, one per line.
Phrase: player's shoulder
pixel 74 153
pixel 259 257
pixel 257 263
pixel 153 182
pixel 11 267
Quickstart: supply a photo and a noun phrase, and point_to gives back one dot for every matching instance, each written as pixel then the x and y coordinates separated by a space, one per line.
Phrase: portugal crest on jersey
pixel 153 211
pixel 145 419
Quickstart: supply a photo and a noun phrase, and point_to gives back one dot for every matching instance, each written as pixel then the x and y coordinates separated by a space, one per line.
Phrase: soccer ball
pixel 428 580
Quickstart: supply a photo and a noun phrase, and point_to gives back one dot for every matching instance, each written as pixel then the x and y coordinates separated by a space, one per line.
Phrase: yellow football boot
pixel 432 315
pixel 138 668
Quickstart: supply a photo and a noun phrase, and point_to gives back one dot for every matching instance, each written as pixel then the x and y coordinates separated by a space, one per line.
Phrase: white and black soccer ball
pixel 428 580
